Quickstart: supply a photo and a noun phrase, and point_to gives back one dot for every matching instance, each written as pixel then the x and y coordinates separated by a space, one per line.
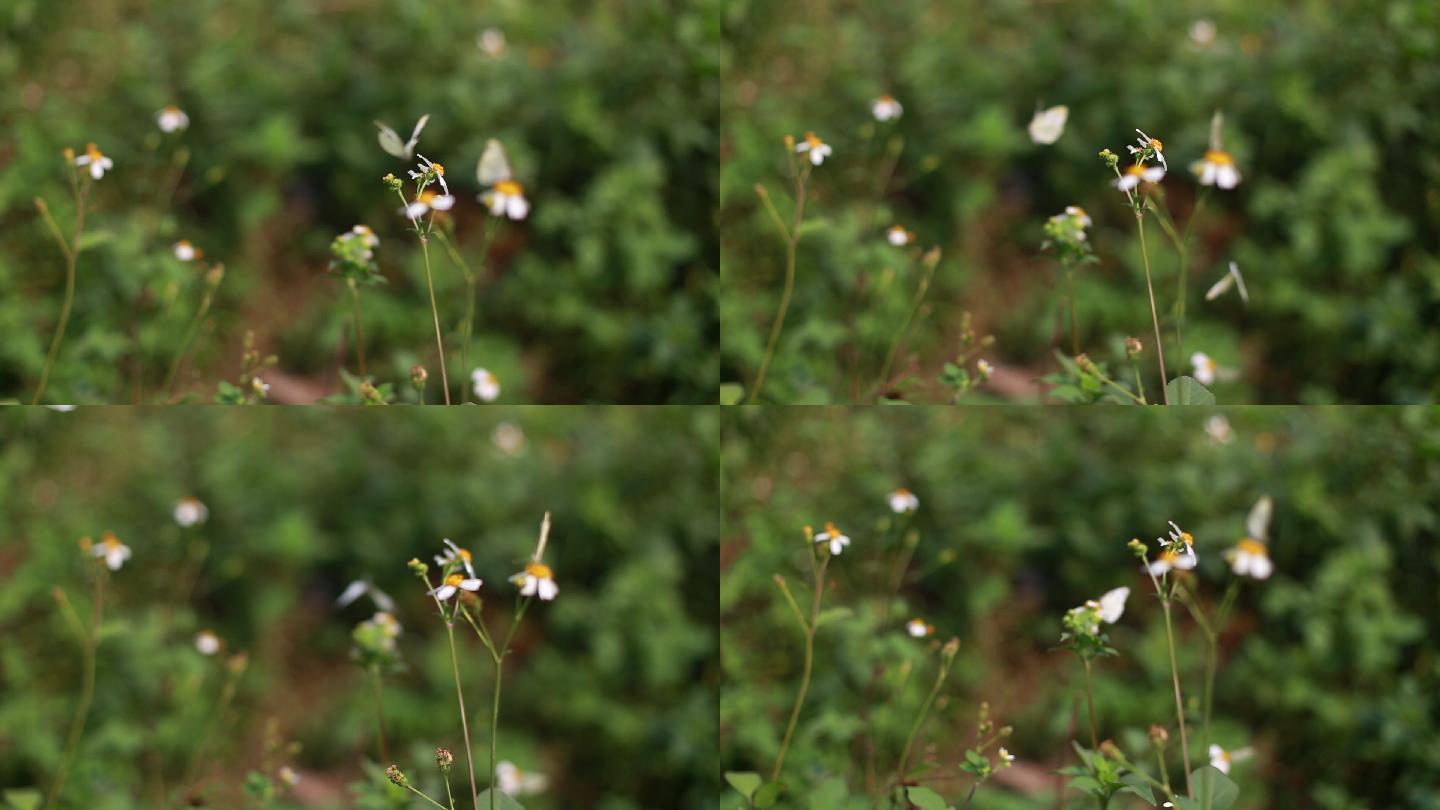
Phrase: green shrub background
pixel 609 111
pixel 1330 112
pixel 611 690
pixel 1329 668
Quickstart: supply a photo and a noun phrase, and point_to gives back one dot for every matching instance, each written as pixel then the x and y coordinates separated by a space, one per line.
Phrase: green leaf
pixel 502 801
pixel 746 782
pixel 768 794
pixel 731 393
pixel 1136 784
pixel 23 798
pixel 1184 390
pixel 832 615
pixel 926 799
pixel 1209 781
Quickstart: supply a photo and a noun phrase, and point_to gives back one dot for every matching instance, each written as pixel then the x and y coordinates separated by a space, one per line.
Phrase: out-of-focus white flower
pixel 453 584
pixel 367 236
pixel 486 384
pixel 514 782
pixel 1206 369
pixel 114 552
pixel 1137 172
pixel 509 438
pixel 492 42
pixel 1146 142
pixel 1219 759
pixel 172 119
pixel 886 108
pixel 289 777
pixel 1230 279
pixel 1078 214
pixel 186 252
pixel 1112 604
pixel 898 236
pixel 429 201
pixel 191 512
pixel 1250 558
pixel 505 196
pixel 387 622
pixel 1047 125
pixel 1217 168
pixel 207 642
pixel 834 537
pixel 98 163
pixel 1202 32
pixel 1176 552
pixel 817 149
pixel 903 500
pixel 1217 427
pixel 536 579
pixel 984 368
pixel 361 587
pixel 917 628
pixel 1006 758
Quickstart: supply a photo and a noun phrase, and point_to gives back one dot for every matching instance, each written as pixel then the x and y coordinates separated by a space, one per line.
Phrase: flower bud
pixel 1136 547
pixel 790 142
pixel 418 568
pixel 1086 364
pixel 418 376
pixel 215 275
pixel 1133 347
pixel 444 759
pixel 1111 750
pixel 395 776
pixel 1159 736
pixel 950 649
pixel 371 394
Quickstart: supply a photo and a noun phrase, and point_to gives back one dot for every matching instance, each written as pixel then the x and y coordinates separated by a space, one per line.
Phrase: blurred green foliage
pixel 1330 111
pixel 1329 669
pixel 609 111
pixel 610 689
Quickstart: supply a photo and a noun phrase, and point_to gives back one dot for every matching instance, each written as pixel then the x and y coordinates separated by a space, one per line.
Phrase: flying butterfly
pixel 1257 524
pixel 1231 279
pixel 494 166
pixel 1047 125
pixel 390 142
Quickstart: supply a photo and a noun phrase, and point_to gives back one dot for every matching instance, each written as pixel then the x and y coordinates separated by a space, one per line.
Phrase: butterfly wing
pixel 415 135
pixel 1047 125
pixel 1220 287
pixel 1257 524
pixel 389 141
pixel 493 166
pixel 1240 282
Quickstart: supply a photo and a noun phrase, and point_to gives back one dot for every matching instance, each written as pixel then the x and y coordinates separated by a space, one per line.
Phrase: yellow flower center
pixel 814 140
pixel 1219 158
pixel 439 169
pixel 1188 538
pixel 1252 546
pixel 426 196
pixel 902 492
pixel 539 570
pixel 93 151
pixel 454 579
pixel 1136 170
pixel 1155 142
pixel 1168 557
pixel 509 188
pixel 172 110
pixel 465 554
pixel 1078 212
pixel 831 529
pixel 86 544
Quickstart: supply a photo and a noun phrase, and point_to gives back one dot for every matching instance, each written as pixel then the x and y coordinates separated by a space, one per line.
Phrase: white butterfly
pixel 1231 279
pixel 1257 524
pixel 493 167
pixel 1047 125
pixel 391 143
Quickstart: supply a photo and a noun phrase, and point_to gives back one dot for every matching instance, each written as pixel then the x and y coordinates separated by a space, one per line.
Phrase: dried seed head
pixel 1159 736
pixel 394 775
pixel 1133 347
pixel 444 759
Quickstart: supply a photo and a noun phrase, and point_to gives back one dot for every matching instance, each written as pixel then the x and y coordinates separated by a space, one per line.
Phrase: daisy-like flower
pixel 1047 125
pixel 367 237
pixel 1251 556
pixel 1078 214
pixel 172 119
pixel 289 776
pixel 1217 168
pixel 190 512
pixel 832 535
pixel 96 160
pixel 492 42
pixel 455 554
pixel 1217 428
pixel 513 781
pixel 486 384
pixel 898 236
pixel 507 199
pixel 817 149
pixel 903 500
pixel 186 252
pixel 508 438
pixel 387 623
pixel 114 551
pixel 1148 143
pixel 1202 32
pixel 453 584
pixel 1006 758
pixel 1206 369
pixel 536 579
pixel 207 643
pixel 429 168
pixel 1136 173
pixel 1219 759
pixel 917 628
pixel 429 201
pixel 886 108
pixel 984 368
pixel 1176 551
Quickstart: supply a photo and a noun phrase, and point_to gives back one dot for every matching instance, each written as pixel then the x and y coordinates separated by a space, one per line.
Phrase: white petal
pixel 352 592
pixel 548 589
pixel 518 208
pixel 445 592
pixel 443 202
pixel 97 170
pixel 532 584
pixel 415 210
pixel 470 584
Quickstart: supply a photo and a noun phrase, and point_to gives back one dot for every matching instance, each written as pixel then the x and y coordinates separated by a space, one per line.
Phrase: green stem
pixel 1179 703
pixel 808 666
pixel 1090 701
pixel 1074 330
pixel 87 692
pixel 792 243
pixel 495 731
pixel 72 255
pixel 435 314
pixel 1139 385
pixel 422 795
pixel 449 796
pixel 190 332
pixel 464 720
pixel 920 721
pixel 379 713
pixel 359 335
pixel 1154 315
pixel 905 326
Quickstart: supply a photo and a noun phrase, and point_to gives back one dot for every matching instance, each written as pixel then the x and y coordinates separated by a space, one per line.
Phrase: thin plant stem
pixel 924 287
pixel 72 255
pixel 1139 384
pixel 449 796
pixel 1154 315
pixel 377 686
pixel 1074 330
pixel 970 795
pixel 190 332
pixel 227 694
pixel 472 279
pixel 792 243
pixel 810 628
pixel 1179 703
pixel 1090 701
pixel 920 721
pixel 495 730
pixel 87 691
pixel 464 720
pixel 435 314
pixel 359 335
pixel 1164 769
pixel 422 795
